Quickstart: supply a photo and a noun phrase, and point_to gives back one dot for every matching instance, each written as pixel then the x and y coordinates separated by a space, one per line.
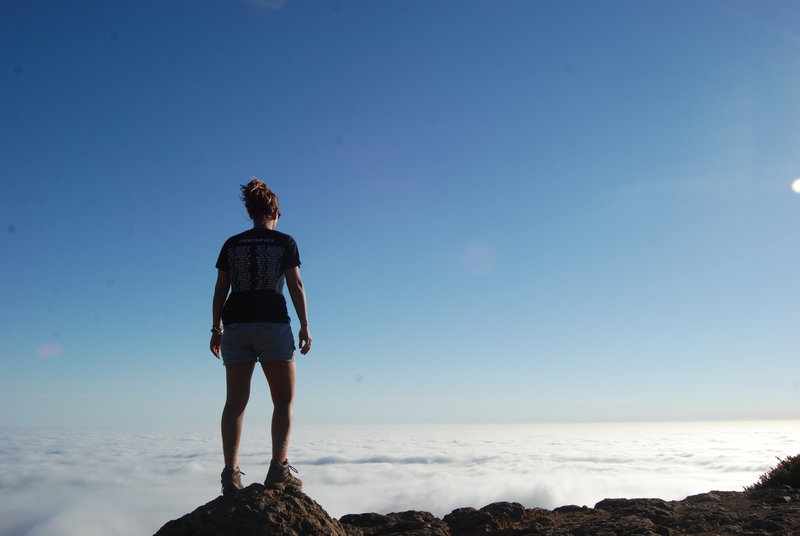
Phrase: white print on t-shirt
pixel 253 240
pixel 267 263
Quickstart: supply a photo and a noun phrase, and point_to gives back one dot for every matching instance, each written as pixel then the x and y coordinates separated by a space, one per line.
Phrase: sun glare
pixel 478 258
pixel 796 186
pixel 49 350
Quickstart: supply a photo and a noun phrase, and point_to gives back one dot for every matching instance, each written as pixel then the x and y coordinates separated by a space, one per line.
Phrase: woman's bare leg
pixel 280 376
pixel 238 381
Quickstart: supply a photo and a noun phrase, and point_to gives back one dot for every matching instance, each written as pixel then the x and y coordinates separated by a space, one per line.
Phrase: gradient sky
pixel 513 211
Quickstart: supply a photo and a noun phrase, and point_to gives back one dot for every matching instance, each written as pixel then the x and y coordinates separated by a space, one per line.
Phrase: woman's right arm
pixel 220 295
pixel 298 293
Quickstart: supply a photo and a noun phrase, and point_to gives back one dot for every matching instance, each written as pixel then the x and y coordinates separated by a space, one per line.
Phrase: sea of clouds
pixel 87 483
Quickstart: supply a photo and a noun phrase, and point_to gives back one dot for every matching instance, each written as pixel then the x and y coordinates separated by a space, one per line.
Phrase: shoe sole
pixel 281 486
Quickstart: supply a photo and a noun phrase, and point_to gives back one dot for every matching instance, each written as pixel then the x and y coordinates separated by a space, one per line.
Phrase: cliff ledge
pixel 257 510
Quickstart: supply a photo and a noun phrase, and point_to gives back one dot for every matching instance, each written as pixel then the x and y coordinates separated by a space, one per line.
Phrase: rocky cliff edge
pixel 257 510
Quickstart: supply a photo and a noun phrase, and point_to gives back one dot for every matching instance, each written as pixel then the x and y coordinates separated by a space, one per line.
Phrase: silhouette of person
pixel 251 323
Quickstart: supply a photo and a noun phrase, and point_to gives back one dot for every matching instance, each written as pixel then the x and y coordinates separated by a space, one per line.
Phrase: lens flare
pixel 478 258
pixel 52 349
pixel 796 186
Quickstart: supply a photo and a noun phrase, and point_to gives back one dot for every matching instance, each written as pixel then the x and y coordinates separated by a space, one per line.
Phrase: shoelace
pixel 292 468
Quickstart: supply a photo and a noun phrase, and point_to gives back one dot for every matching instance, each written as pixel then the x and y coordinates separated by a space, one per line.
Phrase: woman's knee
pixel 236 401
pixel 282 403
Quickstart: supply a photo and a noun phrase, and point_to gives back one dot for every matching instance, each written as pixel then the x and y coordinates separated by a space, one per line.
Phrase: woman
pixel 252 324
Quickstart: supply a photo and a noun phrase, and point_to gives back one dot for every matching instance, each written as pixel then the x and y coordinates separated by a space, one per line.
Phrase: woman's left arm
pixel 220 295
pixel 298 293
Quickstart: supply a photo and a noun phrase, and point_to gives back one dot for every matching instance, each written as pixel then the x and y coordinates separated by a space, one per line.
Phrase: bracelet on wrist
pixel 216 331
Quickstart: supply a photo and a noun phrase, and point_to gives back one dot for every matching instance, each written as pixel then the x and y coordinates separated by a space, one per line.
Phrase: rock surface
pixel 256 510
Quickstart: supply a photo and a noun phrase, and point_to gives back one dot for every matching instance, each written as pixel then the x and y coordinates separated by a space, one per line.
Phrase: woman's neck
pixel 264 223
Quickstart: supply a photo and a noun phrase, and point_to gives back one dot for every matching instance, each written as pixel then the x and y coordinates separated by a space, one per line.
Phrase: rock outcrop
pixel 256 510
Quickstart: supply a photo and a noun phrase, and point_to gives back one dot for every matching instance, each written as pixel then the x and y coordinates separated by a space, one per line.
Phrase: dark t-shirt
pixel 256 261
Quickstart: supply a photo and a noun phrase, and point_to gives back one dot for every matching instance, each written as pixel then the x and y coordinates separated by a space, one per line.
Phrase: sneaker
pixel 231 480
pixel 280 477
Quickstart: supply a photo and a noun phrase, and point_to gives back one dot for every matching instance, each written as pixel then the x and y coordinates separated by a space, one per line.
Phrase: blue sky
pixel 506 211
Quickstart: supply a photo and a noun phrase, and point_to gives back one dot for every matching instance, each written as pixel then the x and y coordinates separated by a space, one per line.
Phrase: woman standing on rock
pixel 252 324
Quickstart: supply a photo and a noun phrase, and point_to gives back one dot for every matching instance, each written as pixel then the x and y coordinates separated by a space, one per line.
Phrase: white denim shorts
pixel 257 341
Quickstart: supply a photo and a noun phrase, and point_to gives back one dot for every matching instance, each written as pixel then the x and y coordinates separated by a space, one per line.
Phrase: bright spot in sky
pixel 796 186
pixel 478 258
pixel 51 349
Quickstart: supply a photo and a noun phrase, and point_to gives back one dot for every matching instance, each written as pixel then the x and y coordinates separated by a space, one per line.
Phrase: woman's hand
pixel 305 340
pixel 216 339
pixel 220 295
pixel 295 285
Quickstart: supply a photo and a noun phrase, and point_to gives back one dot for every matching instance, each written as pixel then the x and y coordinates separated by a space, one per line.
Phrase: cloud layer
pixel 131 483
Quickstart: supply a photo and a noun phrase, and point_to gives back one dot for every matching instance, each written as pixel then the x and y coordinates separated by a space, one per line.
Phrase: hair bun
pixel 259 199
pixel 256 185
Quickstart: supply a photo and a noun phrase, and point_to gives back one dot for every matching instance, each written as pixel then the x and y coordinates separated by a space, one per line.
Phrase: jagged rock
pixel 410 523
pixel 711 496
pixel 656 510
pixel 570 508
pixel 256 510
pixel 491 519
pixel 622 526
